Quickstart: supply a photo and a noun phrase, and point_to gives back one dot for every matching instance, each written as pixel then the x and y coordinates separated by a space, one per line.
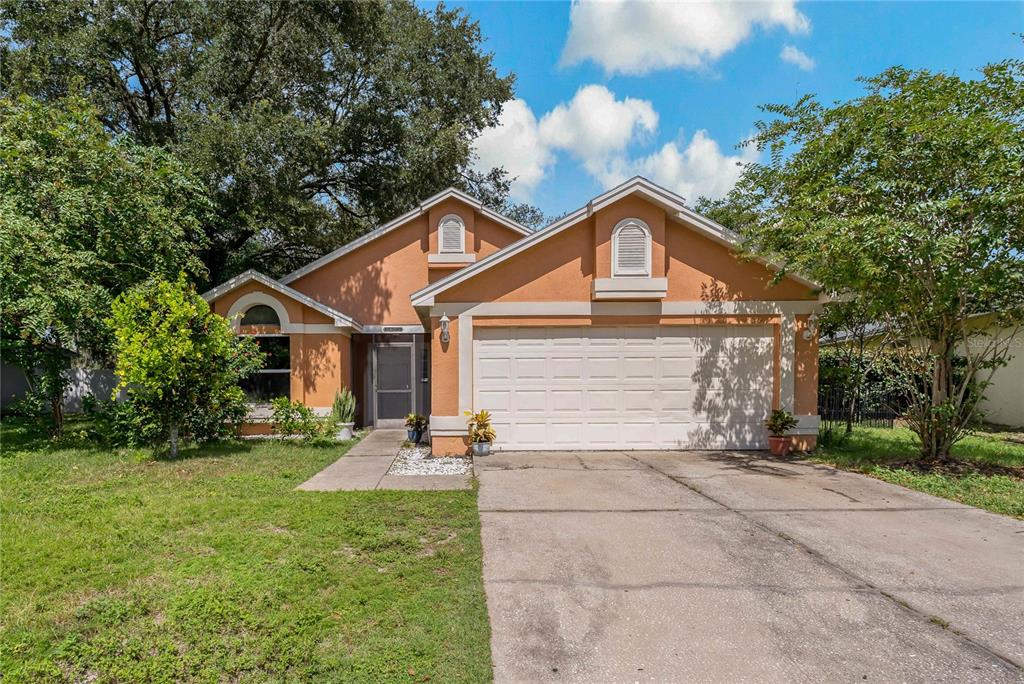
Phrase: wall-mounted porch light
pixel 812 327
pixel 444 328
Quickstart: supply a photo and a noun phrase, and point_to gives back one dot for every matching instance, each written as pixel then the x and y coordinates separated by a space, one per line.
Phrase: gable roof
pixel 672 203
pixel 340 319
pixel 423 207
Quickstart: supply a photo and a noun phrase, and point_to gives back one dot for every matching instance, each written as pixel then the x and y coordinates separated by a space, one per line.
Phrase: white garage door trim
pixel 625 387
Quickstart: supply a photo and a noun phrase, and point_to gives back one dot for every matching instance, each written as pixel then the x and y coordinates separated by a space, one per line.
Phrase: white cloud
pixel 594 125
pixel 515 145
pixel 793 55
pixel 699 168
pixel 638 37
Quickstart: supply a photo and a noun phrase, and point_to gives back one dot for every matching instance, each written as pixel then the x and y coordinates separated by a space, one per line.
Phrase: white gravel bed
pixel 418 461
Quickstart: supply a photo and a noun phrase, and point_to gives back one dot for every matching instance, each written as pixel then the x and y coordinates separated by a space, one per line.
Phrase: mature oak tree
pixel 308 122
pixel 911 199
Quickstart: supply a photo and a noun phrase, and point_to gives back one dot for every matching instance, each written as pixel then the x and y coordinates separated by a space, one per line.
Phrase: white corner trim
pixel 630 288
pixel 423 208
pixel 451 258
pixel 465 363
pixel 591 308
pixel 787 361
pixel 671 202
pixel 340 319
pixel 448 426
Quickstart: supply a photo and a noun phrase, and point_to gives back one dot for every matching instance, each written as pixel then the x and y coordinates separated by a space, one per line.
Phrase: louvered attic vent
pixel 632 246
pixel 452 235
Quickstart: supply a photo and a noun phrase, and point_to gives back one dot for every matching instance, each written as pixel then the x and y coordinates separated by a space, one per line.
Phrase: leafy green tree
pixel 82 218
pixel 178 361
pixel 912 199
pixel 308 121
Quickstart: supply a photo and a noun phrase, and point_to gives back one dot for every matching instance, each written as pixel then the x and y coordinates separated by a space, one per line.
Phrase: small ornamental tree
pixel 911 199
pixel 180 362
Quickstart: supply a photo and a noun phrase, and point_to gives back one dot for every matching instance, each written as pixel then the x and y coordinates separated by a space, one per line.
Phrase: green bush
pixel 291 418
pixel 180 363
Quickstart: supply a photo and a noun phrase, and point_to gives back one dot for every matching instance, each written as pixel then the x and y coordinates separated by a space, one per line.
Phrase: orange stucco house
pixel 631 323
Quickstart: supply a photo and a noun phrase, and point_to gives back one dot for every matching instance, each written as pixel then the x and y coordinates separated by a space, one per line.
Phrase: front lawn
pixel 991 477
pixel 119 567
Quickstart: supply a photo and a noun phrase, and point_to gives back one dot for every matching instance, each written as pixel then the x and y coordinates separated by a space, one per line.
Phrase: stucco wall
pixel 1004 397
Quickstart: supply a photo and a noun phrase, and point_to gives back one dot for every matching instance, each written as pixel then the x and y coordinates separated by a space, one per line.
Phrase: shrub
pixel 780 422
pixel 180 363
pixel 291 418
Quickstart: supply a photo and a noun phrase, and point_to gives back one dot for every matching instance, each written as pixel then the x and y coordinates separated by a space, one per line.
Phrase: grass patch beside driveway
pixel 118 567
pixel 991 477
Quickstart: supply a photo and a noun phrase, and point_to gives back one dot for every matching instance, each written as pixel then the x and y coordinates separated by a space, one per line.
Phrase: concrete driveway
pixel 661 566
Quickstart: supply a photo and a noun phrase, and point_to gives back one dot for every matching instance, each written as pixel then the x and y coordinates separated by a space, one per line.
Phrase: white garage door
pixel 667 387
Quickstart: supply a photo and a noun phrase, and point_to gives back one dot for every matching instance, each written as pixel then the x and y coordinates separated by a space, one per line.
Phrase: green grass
pixel 120 567
pixel 875 451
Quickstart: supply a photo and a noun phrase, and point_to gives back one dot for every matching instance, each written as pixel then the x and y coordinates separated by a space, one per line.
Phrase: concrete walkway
pixel 365 466
pixel 658 566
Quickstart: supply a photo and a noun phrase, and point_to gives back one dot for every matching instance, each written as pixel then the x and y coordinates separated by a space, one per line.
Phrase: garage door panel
pixel 625 387
pixel 603 400
pixel 531 401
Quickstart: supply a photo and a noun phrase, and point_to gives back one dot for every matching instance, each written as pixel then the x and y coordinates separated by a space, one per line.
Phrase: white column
pixel 787 361
pixel 465 363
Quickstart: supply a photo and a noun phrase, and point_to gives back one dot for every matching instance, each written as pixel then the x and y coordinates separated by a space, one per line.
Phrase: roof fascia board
pixel 340 319
pixel 423 208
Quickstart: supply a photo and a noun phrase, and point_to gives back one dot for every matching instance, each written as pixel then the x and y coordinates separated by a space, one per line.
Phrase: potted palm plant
pixel 481 432
pixel 415 425
pixel 779 423
pixel 343 412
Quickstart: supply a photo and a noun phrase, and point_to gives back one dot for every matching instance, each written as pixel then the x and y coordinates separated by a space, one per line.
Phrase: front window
pixel 274 379
pixel 261 314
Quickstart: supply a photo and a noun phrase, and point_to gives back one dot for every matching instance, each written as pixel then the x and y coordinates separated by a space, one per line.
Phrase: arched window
pixel 631 248
pixel 261 314
pixel 451 235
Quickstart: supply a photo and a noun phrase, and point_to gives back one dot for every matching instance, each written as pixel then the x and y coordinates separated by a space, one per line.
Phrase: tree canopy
pixel 308 122
pixel 82 218
pixel 910 198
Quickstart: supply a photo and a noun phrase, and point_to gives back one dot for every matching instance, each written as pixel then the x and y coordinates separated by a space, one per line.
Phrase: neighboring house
pixel 631 323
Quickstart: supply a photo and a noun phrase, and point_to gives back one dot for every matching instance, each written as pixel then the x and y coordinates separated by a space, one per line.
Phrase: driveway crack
pixel 936 620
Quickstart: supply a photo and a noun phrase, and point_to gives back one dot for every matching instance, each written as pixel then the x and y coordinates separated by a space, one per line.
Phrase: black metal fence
pixel 871 409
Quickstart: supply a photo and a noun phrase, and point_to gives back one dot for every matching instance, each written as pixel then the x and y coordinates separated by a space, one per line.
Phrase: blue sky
pixel 611 89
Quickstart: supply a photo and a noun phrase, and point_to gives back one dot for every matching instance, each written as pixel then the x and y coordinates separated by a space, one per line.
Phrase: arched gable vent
pixel 451 235
pixel 631 248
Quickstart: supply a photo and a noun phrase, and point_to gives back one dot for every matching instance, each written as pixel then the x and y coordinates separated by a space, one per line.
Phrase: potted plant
pixel 343 412
pixel 481 432
pixel 779 423
pixel 415 425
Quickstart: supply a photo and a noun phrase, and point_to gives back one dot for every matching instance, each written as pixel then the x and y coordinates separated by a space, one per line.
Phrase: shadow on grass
pixel 898 448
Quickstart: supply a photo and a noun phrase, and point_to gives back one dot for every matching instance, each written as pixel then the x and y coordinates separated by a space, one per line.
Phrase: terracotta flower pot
pixel 780 446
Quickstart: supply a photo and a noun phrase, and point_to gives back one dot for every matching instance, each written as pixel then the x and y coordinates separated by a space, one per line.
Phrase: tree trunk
pixel 935 442
pixel 174 440
pixel 57 414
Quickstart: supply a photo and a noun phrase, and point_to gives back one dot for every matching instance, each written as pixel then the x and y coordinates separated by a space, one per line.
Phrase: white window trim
pixel 631 223
pixel 462 234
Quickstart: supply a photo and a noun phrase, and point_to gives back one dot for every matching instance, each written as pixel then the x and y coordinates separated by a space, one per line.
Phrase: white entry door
pixel 628 387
